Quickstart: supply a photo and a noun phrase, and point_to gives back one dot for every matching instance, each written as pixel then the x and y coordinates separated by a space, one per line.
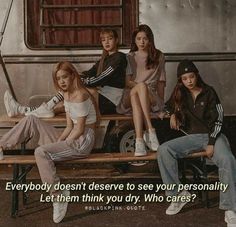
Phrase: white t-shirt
pixel 81 109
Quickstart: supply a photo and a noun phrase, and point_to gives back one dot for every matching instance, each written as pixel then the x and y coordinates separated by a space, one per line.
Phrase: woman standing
pixel 76 141
pixel 196 108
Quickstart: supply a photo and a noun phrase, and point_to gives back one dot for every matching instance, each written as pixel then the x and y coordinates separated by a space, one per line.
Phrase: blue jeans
pixel 171 150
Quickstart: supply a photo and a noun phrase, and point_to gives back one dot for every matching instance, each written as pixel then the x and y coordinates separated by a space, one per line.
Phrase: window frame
pixel 82 47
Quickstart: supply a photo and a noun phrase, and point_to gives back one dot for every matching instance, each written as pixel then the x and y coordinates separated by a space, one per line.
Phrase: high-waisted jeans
pixel 171 150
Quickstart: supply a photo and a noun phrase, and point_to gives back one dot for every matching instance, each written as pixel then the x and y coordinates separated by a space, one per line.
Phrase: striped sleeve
pixel 216 118
pixel 91 72
pixel 110 72
pixel 96 80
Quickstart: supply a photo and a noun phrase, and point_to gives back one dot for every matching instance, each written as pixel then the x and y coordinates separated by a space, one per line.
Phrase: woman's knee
pixel 133 91
pixel 163 149
pixel 142 87
pixel 39 153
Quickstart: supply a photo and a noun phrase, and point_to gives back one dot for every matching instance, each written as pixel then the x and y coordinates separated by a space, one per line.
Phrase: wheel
pixel 127 144
pixel 121 139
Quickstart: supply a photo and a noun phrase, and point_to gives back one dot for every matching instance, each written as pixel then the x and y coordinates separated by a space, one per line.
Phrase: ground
pixel 121 214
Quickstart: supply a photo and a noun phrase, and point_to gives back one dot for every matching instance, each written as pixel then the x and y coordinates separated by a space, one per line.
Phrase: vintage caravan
pixel 35 34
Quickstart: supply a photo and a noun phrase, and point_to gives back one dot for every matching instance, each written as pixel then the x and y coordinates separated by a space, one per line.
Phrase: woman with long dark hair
pixel 145 87
pixel 195 108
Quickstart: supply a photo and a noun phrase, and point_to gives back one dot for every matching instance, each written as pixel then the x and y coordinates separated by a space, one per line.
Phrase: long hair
pixel 71 70
pixel 112 33
pixel 153 53
pixel 177 99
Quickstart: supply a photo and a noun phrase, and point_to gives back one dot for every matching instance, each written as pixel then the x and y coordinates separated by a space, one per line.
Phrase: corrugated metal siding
pixel 191 25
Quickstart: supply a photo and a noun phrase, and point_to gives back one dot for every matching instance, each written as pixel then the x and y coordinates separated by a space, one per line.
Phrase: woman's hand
pixel 174 123
pixel 210 151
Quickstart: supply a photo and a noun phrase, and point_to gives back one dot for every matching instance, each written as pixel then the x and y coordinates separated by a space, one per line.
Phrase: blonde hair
pixel 71 70
pixel 112 33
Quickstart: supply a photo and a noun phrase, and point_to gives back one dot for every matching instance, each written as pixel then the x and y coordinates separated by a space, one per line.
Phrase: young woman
pixel 196 108
pixel 106 80
pixel 76 141
pixel 146 85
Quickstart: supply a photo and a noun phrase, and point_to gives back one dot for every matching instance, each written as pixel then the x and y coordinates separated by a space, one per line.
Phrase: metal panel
pixel 180 26
pixel 3 9
pixel 191 25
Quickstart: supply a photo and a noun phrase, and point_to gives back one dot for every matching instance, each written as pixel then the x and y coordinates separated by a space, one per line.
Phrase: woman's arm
pixel 78 129
pixel 129 82
pixel 174 123
pixel 109 72
pixel 215 114
pixel 68 129
pixel 91 72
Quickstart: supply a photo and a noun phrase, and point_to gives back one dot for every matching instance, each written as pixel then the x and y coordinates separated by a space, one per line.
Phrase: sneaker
pixel 60 208
pixel 151 140
pixel 11 104
pixel 1 155
pixel 140 149
pixel 175 207
pixel 42 111
pixel 230 218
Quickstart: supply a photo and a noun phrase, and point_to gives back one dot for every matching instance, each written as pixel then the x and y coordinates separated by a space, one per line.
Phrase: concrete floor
pixel 144 214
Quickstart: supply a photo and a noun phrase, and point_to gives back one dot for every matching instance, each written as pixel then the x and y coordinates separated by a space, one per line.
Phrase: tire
pixel 127 144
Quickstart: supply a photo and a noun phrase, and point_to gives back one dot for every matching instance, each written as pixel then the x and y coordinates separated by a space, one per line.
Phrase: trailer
pixel 35 34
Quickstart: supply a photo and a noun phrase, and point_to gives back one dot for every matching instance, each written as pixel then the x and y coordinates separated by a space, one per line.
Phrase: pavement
pixel 115 214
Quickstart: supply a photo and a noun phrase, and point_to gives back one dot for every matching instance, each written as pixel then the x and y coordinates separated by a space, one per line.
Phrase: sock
pixel 51 103
pixel 55 99
pixel 23 109
pixel 26 109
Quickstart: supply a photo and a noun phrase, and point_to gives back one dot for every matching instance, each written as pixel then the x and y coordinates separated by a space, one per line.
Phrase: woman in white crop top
pixel 76 141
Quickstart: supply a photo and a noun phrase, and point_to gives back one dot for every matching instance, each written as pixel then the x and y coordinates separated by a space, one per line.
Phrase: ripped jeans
pixel 223 158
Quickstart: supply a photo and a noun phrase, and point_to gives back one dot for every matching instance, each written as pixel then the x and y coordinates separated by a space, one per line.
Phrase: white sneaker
pixel 140 149
pixel 230 218
pixel 175 207
pixel 42 111
pixel 60 208
pixel 1 155
pixel 151 140
pixel 11 104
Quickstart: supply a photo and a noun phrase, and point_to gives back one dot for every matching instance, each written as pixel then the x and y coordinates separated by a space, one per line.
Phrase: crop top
pixel 81 109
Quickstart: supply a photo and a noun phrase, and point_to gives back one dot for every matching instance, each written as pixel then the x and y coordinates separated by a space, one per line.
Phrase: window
pixel 77 23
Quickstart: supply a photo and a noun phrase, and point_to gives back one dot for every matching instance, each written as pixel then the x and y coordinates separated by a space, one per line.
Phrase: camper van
pixel 35 34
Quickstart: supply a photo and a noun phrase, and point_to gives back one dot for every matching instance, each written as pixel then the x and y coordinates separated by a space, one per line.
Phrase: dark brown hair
pixel 177 99
pixel 153 53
